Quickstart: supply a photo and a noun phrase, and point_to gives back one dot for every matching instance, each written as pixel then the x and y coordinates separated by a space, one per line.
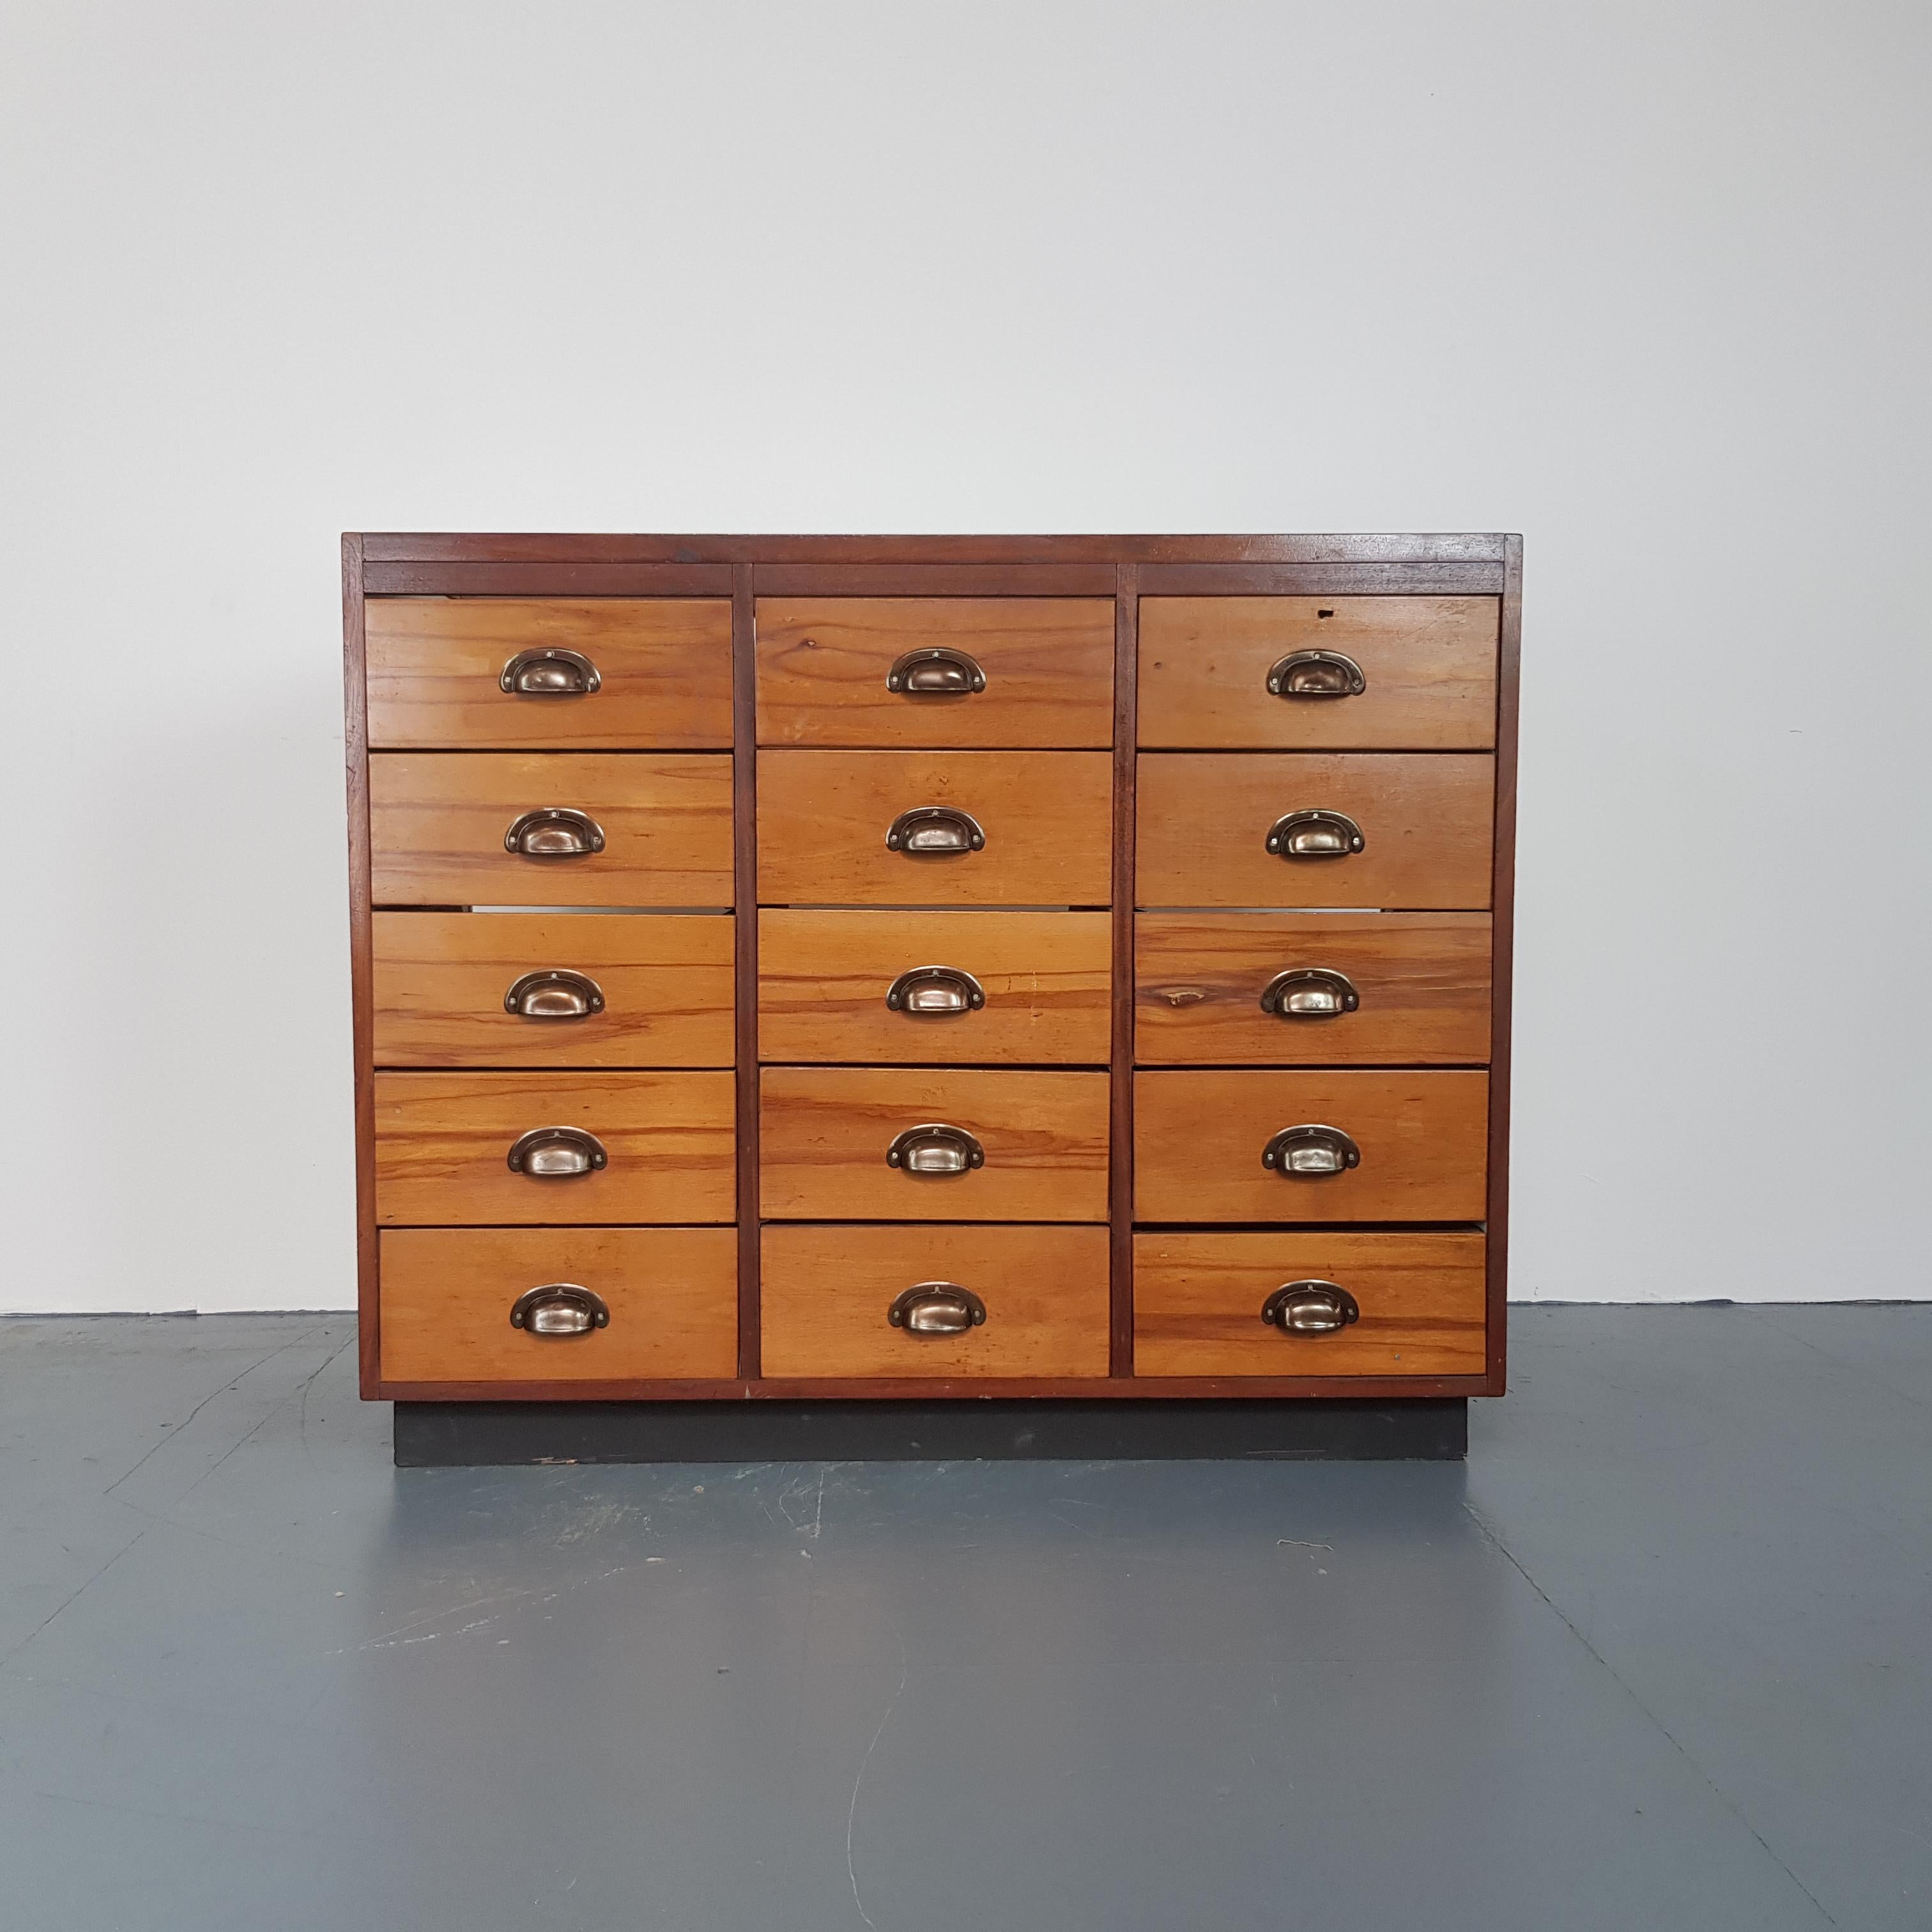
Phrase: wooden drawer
pixel 828 1291
pixel 1420 1135
pixel 438 822
pixel 661 667
pixel 1414 988
pixel 1425 819
pixel 1428 669
pixel 671 1295
pixel 841 1143
pixel 824 979
pixel 825 819
pixel 642 990
pixel 443 1142
pixel 997 671
pixel 1419 1301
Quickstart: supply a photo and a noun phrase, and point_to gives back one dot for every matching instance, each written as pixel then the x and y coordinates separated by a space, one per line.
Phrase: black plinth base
pixel 430 1434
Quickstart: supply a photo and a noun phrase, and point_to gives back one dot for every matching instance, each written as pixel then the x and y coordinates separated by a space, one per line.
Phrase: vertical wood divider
pixel 1121 1070
pixel 1502 913
pixel 361 989
pixel 745 977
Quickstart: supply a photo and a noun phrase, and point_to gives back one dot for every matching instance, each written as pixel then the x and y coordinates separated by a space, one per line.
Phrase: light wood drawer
pixel 662 669
pixel 825 819
pixel 443 1142
pixel 986 671
pixel 671 1295
pixel 1418 1303
pixel 1042 978
pixel 855 1143
pixel 828 1293
pixel 553 989
pixel 1424 818
pixel 1418 1136
pixel 1395 988
pixel 1427 666
pixel 438 822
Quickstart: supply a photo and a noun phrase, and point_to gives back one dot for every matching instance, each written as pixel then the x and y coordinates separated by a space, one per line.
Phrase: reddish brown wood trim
pixel 1101 1388
pixel 745 913
pixel 1344 579
pixel 935 580
pixel 1120 1151
pixel 466 577
pixel 361 993
pixel 1502 900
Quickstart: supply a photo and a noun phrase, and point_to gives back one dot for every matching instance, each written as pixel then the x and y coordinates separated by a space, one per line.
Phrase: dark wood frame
pixel 743 567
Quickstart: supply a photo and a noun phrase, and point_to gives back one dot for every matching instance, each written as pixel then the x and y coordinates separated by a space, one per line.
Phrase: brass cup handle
pixel 935 1148
pixel 935 832
pixel 935 992
pixel 554 832
pixel 1310 1308
pixel 1310 993
pixel 557 1153
pixel 559 1308
pixel 561 995
pixel 938 671
pixel 1316 674
pixel 937 1308
pixel 549 672
pixel 1314 834
pixel 1310 1151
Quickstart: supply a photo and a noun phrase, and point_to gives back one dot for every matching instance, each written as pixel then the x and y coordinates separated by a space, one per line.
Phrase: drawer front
pixel 670 1295
pixel 829 1293
pixel 444 1142
pixel 1201 1141
pixel 438 825
pixel 1426 667
pixel 902 1143
pixel 1312 989
pixel 827 982
pixel 1415 1305
pixel 645 673
pixel 985 671
pixel 553 989
pixel 1424 820
pixel 1005 828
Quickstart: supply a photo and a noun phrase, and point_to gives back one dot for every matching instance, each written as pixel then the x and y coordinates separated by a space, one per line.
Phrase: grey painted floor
pixel 1658 1656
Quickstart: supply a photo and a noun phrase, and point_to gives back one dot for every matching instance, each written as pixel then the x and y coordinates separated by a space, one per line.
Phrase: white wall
pixel 1647 282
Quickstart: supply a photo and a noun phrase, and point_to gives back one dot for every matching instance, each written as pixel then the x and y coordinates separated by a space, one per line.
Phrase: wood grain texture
pixel 1120 1037
pixel 1423 979
pixel 440 980
pixel 438 821
pixel 823 978
pixel 824 1131
pixel 827 1290
pixel 823 661
pixel 824 816
pixel 442 1140
pixel 672 1293
pixel 356 760
pixel 1503 889
pixel 745 873
pixel 1198 1299
pixel 1426 818
pixel 1429 664
pixel 1199 1137
pixel 664 664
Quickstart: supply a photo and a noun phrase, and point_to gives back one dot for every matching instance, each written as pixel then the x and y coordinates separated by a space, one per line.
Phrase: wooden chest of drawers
pixel 814 968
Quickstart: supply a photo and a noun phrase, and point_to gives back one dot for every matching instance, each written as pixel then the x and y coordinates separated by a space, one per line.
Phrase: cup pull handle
pixel 1310 993
pixel 561 995
pixel 934 992
pixel 1306 1152
pixel 937 671
pixel 1310 1308
pixel 935 832
pixel 1314 834
pixel 548 672
pixel 554 832
pixel 559 1308
pixel 1316 674
pixel 937 1308
pixel 557 1153
pixel 935 1148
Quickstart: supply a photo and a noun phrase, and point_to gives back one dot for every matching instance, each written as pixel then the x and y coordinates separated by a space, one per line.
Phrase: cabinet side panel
pixel 1120 1170
pixel 745 903
pixel 1502 899
pixel 355 751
